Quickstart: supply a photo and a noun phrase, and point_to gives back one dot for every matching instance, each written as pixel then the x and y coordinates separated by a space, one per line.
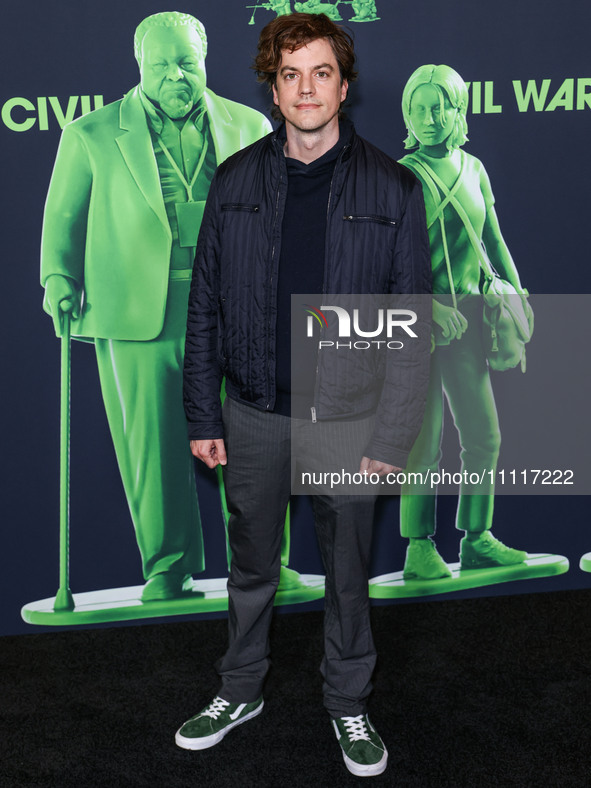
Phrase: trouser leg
pixel 257 484
pixel 418 502
pixel 141 384
pixel 285 539
pixel 344 525
pixel 468 388
pixel 344 528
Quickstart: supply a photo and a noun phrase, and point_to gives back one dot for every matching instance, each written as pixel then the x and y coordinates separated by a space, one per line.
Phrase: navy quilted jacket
pixel 376 242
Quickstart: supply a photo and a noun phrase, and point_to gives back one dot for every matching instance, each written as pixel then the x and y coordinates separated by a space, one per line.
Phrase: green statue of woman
pixel 457 194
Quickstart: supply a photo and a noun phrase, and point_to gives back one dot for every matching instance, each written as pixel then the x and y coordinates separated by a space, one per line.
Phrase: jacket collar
pixel 136 148
pixel 347 138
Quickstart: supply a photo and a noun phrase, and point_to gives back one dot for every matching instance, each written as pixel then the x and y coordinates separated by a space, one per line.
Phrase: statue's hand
pixel 452 321
pixel 62 294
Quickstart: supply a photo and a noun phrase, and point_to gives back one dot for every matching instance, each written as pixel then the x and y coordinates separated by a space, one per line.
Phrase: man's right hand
pixel 211 451
pixel 62 294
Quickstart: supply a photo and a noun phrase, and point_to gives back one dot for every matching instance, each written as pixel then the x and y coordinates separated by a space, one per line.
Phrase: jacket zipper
pixel 240 206
pixel 268 406
pixel 369 218
pixel 339 160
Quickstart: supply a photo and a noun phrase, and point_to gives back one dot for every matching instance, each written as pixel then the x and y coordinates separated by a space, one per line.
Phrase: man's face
pixel 308 90
pixel 429 125
pixel 172 69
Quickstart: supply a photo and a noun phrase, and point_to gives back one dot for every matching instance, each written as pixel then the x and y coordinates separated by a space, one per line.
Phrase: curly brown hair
pixel 292 31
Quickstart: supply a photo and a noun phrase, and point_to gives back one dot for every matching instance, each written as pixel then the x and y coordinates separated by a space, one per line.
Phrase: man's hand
pixel 211 451
pixel 62 294
pixel 375 466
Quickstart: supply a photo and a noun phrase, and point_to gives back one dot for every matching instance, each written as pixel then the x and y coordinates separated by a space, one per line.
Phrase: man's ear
pixel 344 90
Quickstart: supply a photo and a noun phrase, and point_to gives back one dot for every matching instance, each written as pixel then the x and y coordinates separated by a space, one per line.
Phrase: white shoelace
pixel 216 707
pixel 356 728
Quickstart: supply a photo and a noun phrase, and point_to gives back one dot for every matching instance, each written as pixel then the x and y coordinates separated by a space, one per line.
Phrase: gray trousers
pixel 257 480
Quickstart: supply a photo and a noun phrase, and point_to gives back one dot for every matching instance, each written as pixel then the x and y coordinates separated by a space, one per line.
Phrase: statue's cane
pixel 63 598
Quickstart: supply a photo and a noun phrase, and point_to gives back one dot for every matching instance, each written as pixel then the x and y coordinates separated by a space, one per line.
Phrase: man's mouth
pixel 175 88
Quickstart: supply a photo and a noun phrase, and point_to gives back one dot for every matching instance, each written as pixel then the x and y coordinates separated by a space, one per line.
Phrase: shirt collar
pixel 157 119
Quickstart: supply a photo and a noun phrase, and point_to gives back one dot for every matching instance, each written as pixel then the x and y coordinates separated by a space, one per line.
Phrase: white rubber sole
pixel 209 741
pixel 367 770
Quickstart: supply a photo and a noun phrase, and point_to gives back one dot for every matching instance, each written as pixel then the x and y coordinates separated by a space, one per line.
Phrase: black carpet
pixel 469 694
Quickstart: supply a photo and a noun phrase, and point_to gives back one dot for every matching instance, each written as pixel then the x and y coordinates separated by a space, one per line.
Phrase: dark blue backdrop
pixel 538 162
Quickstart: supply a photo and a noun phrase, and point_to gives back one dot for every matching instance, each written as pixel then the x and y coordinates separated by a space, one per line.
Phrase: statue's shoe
pixel 487 551
pixel 290 580
pixel 423 562
pixel 167 585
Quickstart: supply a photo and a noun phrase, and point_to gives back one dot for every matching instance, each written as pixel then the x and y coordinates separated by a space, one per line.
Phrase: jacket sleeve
pixel 202 373
pixel 402 403
pixel 66 210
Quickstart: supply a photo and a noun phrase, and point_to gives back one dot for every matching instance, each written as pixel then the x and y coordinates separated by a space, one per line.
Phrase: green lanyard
pixel 188 186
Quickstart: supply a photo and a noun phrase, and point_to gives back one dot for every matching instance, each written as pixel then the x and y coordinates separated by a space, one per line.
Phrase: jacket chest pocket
pixel 372 237
pixel 238 220
pixel 244 207
pixel 371 219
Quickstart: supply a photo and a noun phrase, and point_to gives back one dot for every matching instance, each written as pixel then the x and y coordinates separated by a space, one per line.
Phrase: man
pixel 120 228
pixel 310 208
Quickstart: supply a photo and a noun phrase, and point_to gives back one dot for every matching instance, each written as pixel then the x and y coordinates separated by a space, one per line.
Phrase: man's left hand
pixel 375 466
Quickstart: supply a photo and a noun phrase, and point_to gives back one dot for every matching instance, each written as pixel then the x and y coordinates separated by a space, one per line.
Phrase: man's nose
pixel 429 119
pixel 174 73
pixel 306 84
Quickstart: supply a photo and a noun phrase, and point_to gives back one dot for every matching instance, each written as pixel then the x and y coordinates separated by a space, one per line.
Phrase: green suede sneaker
pixel 364 752
pixel 211 725
pixel 486 551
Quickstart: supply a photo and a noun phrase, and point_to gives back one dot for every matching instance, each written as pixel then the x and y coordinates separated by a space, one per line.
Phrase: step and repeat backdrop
pixel 520 76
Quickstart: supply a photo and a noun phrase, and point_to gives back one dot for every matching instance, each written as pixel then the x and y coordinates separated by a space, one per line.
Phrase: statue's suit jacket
pixel 105 223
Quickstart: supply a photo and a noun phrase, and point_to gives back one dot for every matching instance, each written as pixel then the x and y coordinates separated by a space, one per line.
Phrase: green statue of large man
pixel 121 221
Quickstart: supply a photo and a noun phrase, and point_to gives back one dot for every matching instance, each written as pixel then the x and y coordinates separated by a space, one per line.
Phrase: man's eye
pixel 188 65
pixel 290 77
pixel 158 66
pixel 322 74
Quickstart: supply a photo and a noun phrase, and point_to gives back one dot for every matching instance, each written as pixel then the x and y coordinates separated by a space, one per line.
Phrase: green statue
pixel 365 11
pixel 281 7
pixel 331 10
pixel 434 105
pixel 123 212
